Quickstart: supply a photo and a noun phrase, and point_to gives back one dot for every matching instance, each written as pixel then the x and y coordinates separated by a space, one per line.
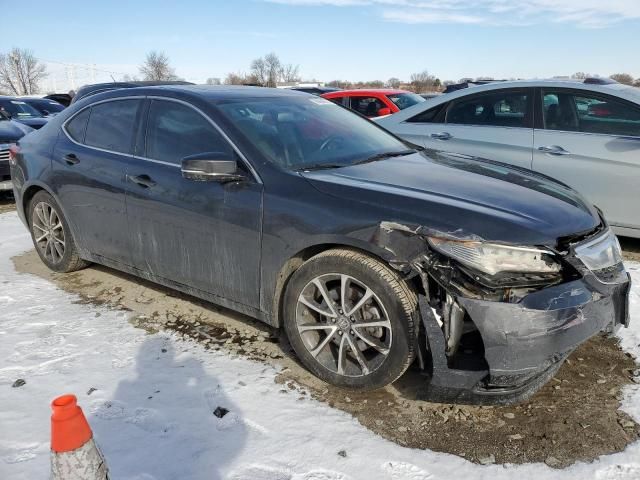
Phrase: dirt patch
pixel 630 248
pixel 7 203
pixel 575 417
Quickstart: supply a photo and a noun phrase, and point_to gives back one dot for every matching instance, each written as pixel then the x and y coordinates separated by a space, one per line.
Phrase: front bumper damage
pixel 524 339
pixel 524 343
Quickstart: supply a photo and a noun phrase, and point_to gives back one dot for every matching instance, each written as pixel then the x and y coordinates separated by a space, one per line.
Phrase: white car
pixel 585 135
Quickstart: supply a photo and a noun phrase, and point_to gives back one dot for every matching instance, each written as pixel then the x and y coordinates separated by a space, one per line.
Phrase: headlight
pixel 493 258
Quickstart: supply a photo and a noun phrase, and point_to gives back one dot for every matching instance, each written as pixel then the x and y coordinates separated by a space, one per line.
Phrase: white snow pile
pixel 151 410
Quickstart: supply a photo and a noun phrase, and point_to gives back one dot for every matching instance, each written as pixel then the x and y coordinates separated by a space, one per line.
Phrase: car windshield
pixel 405 100
pixel 19 109
pixel 309 133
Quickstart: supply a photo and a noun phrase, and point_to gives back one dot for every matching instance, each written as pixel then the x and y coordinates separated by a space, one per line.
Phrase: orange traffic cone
pixel 74 454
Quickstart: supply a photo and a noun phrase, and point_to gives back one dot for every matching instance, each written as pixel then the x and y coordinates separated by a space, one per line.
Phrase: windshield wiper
pixel 382 156
pixel 320 166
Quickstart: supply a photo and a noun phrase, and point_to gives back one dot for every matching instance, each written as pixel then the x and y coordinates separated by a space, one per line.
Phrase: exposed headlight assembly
pixel 492 258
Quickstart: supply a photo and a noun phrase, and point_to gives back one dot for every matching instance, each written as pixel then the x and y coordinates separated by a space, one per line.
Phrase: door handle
pixel 554 150
pixel 441 136
pixel 71 159
pixel 142 180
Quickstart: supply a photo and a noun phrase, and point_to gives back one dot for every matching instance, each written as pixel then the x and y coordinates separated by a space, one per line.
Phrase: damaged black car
pixel 371 253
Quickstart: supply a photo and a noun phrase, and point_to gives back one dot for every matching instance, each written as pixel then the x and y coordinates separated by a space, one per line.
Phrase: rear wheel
pixel 350 319
pixel 51 235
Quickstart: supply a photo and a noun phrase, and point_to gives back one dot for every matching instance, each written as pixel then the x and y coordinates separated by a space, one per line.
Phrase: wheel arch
pixel 295 261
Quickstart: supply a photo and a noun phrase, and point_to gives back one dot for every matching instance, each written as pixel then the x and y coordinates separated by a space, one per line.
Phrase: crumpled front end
pixel 498 338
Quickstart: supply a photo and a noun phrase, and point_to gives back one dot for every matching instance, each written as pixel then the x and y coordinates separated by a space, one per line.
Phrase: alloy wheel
pixel 48 232
pixel 343 324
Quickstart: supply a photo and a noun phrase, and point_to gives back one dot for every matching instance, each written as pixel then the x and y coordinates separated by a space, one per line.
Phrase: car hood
pixel 11 131
pixel 35 122
pixel 464 196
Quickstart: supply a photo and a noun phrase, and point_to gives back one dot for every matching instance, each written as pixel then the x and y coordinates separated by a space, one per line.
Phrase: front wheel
pixel 52 236
pixel 350 319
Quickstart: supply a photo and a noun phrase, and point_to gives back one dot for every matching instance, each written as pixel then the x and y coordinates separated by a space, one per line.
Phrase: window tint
pixel 367 106
pixel 499 109
pixel 337 100
pixel 77 126
pixel 175 131
pixel 111 125
pixel 428 116
pixel 573 112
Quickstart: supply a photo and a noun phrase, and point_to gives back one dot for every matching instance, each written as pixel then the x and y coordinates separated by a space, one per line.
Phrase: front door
pixel 204 235
pixel 591 142
pixel 89 164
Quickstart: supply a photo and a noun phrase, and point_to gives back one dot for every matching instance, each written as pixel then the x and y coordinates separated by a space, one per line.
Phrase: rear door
pixel 497 125
pixel 591 142
pixel 205 235
pixel 89 165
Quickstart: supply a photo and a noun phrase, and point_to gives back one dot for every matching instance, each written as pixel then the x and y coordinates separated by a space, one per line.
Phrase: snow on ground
pixel 151 411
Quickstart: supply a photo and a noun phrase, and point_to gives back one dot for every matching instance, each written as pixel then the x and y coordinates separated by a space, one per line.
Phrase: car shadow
pixel 173 419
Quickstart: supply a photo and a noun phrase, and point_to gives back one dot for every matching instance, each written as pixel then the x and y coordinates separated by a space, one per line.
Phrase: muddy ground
pixel 574 417
pixel 6 202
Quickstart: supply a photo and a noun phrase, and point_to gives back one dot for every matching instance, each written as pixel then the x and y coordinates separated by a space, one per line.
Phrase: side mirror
pixel 46 113
pixel 211 167
pixel 384 111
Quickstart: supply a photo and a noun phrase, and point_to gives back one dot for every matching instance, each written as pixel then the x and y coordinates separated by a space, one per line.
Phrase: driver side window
pixel 367 106
pixel 175 131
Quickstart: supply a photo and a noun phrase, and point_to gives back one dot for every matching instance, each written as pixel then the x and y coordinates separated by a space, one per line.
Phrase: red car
pixel 375 102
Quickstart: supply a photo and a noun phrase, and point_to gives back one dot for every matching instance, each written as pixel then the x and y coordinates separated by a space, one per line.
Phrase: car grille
pixel 4 154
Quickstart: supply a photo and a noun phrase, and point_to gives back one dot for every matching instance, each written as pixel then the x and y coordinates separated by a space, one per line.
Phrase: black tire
pixel 399 303
pixel 69 260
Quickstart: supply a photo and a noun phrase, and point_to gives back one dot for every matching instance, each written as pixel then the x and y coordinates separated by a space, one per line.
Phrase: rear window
pixel 78 125
pixel 111 125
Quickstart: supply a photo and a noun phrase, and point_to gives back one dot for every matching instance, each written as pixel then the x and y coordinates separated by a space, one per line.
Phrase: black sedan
pixel 20 111
pixel 370 252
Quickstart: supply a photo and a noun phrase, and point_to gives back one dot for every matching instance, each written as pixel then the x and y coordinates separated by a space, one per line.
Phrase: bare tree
pixel 422 81
pixel 340 84
pixel 240 79
pixel 156 67
pixel 394 82
pixel 213 81
pixel 129 78
pixel 289 73
pixel 622 78
pixel 579 76
pixel 21 72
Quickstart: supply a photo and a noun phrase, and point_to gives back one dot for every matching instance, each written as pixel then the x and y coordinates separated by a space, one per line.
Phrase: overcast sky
pixel 334 39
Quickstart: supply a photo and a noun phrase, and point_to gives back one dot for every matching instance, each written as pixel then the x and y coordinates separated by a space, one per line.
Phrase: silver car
pixel 585 135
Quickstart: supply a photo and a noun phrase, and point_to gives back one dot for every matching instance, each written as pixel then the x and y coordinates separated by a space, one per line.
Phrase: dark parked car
pixel 88 90
pixel 370 253
pixel 20 111
pixel 10 132
pixel 62 98
pixel 316 90
pixel 45 106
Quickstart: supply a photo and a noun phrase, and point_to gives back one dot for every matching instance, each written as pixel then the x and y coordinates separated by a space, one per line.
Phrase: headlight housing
pixel 493 258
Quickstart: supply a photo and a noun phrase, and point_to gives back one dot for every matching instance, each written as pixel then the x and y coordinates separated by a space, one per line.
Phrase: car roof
pixel 616 89
pixel 207 92
pixel 368 91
